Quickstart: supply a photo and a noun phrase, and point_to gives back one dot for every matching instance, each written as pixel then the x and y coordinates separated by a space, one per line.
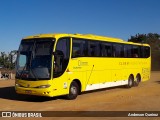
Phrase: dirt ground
pixel 145 97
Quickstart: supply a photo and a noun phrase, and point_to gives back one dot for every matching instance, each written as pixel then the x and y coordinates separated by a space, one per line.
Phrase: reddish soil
pixel 145 97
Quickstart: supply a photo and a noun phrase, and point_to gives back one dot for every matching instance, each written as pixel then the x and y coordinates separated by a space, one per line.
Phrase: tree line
pixel 7 60
pixel 153 39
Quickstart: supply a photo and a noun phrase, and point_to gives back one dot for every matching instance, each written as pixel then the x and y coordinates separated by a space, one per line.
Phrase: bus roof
pixel 83 36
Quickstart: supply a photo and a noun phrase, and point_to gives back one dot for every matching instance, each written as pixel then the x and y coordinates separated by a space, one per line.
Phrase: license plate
pixel 28 92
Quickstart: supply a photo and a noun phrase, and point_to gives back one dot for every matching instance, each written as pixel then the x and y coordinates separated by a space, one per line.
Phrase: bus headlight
pixel 18 85
pixel 44 86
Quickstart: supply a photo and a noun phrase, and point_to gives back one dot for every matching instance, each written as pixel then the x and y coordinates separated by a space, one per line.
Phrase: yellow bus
pixel 68 64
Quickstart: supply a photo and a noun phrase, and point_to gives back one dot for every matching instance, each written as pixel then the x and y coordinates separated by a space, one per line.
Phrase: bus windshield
pixel 34 59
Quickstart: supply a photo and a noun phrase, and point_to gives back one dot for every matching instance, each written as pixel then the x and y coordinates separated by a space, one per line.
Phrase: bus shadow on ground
pixel 10 94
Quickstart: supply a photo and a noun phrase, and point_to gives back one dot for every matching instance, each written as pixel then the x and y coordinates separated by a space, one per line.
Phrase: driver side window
pixel 62 56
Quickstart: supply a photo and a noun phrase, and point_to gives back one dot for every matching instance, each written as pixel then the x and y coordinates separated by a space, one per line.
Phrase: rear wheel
pixel 73 91
pixel 138 80
pixel 130 81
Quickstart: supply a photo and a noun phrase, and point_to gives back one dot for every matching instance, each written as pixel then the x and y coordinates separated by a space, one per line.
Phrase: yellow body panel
pixel 92 72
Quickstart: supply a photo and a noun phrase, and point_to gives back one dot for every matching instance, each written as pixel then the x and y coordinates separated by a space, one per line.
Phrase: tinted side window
pixel 79 48
pixel 84 48
pixel 125 51
pixel 94 48
pixel 135 51
pixel 146 52
pixel 62 56
pixel 118 50
pixel 76 48
pixel 63 47
pixel 142 52
pixel 106 49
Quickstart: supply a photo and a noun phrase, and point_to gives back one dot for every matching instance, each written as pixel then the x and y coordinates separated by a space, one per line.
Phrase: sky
pixel 113 18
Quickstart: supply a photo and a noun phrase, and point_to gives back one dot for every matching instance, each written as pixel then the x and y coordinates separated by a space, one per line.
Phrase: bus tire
pixel 138 80
pixel 130 81
pixel 73 91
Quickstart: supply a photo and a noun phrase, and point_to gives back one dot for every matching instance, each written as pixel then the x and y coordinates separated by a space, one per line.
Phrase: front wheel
pixel 73 91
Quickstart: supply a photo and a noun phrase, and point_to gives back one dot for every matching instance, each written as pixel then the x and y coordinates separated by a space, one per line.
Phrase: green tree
pixel 153 39
pixel 8 60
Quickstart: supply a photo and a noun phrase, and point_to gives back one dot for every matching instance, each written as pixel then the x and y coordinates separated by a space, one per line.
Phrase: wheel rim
pixel 130 82
pixel 73 90
pixel 138 79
